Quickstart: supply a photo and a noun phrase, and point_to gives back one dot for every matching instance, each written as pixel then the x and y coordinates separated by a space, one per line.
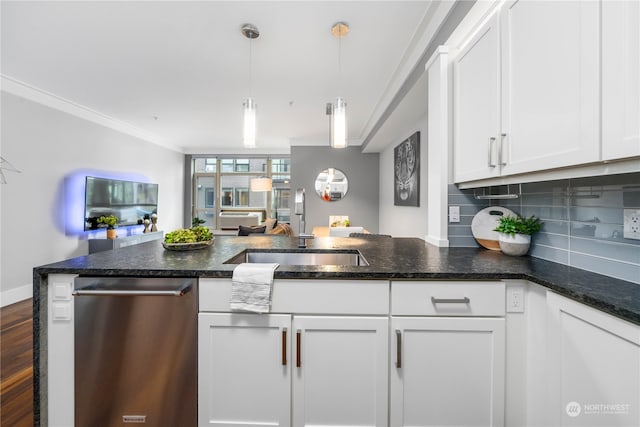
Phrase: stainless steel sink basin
pixel 314 257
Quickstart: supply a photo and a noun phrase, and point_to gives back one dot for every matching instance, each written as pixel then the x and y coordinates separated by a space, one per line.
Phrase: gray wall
pixel 582 217
pixel 361 201
pixel 41 215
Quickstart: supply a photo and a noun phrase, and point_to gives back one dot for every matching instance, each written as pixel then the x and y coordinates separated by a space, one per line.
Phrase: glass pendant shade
pixel 249 126
pixel 339 124
pixel 260 184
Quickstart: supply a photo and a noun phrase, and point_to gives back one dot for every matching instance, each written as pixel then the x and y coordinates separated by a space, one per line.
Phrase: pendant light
pixel 249 106
pixel 339 107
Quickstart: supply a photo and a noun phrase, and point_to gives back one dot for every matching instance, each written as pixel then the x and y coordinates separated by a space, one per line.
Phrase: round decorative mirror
pixel 331 185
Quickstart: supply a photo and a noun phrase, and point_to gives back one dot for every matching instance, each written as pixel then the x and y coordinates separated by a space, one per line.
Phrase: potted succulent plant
pixel 515 233
pixel 110 221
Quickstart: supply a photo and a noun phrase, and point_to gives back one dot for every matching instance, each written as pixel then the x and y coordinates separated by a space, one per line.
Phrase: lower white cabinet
pixel 594 366
pixel 340 376
pixel 447 353
pixel 244 374
pixel 447 371
pixel 284 370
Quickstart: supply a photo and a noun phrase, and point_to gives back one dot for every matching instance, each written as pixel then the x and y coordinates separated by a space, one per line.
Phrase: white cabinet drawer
pixel 448 298
pixel 360 297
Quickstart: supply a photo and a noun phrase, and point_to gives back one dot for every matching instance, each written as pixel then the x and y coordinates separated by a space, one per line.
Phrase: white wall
pixel 403 221
pixel 53 149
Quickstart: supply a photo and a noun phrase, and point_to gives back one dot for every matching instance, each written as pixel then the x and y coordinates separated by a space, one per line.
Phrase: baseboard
pixel 12 296
pixel 443 243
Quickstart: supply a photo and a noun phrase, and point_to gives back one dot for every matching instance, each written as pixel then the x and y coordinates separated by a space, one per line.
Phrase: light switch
pixel 454 213
pixel 62 311
pixel 62 291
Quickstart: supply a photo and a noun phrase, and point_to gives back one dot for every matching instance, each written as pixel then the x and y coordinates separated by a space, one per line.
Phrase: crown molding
pixel 40 96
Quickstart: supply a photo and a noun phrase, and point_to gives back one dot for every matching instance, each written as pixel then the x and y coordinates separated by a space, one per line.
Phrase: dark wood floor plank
pixel 16 364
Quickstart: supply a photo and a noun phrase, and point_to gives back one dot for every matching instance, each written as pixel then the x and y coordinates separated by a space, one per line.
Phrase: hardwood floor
pixel 16 364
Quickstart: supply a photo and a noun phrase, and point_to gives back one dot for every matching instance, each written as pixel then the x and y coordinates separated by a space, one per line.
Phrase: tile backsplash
pixel 583 220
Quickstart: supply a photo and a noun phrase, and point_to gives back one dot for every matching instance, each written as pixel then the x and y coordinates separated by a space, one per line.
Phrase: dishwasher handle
pixel 92 291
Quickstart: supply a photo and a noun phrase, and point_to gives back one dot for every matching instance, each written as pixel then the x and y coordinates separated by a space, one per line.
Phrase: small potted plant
pixel 110 221
pixel 515 233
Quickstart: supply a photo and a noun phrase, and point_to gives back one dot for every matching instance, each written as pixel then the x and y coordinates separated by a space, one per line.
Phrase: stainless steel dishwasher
pixel 135 351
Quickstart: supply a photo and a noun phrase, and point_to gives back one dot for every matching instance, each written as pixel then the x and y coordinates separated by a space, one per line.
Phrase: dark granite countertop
pixel 398 258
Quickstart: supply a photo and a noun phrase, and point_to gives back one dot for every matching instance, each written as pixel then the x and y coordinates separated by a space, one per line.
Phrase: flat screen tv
pixel 129 201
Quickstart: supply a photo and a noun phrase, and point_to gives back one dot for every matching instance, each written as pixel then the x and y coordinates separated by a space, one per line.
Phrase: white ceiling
pixel 187 64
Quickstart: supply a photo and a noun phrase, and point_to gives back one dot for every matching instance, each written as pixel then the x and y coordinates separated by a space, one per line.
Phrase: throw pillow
pixel 243 230
pixel 270 223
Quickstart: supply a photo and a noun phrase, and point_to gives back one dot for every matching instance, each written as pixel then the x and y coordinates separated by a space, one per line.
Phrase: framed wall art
pixel 406 172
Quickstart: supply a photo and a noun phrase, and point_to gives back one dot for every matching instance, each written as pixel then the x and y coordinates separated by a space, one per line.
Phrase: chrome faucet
pixel 300 211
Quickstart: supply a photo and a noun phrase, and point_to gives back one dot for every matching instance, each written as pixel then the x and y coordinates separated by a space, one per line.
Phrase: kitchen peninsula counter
pixel 391 259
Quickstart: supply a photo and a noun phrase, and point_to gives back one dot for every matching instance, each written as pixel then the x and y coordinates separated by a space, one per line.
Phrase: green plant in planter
pixel 518 225
pixel 195 222
pixel 110 221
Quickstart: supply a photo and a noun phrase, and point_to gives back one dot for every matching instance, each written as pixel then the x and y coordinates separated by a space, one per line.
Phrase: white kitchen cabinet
pixel 550 84
pixel 447 354
pixel 477 105
pixel 326 366
pixel 620 79
pixel 341 366
pixel 244 370
pixel 594 366
pixel 527 91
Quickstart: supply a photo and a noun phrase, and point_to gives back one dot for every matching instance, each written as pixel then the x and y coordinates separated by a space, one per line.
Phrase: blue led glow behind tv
pixel 128 200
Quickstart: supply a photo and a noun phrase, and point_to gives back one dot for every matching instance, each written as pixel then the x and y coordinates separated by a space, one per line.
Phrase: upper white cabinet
pixel 594 366
pixel 477 105
pixel 620 79
pixel 550 95
pixel 527 91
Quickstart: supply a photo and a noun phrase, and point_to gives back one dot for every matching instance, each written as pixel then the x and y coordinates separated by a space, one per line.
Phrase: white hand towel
pixel 251 287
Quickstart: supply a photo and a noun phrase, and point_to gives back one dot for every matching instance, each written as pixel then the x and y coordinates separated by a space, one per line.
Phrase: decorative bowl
pixel 187 246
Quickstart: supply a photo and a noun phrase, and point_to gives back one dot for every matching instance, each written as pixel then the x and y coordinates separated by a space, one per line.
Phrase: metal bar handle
pixel 502 161
pixel 284 346
pixel 492 141
pixel 118 293
pixel 298 342
pixel 398 348
pixel 463 300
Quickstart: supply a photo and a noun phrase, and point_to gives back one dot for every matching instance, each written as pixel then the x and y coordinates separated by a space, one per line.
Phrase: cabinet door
pixel 620 79
pixel 594 366
pixel 447 371
pixel 244 376
pixel 550 91
pixel 341 377
pixel 477 109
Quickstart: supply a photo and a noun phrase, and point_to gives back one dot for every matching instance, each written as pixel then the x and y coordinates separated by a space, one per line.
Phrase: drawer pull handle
pixel 398 348
pixel 464 300
pixel 298 342
pixel 284 346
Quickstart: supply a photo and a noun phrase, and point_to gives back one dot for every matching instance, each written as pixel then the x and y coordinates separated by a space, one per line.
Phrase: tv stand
pixel 101 245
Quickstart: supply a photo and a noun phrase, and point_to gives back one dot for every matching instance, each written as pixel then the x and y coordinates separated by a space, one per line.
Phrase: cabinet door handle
pixel 463 300
pixel 284 346
pixel 492 141
pixel 298 342
pixel 502 161
pixel 398 348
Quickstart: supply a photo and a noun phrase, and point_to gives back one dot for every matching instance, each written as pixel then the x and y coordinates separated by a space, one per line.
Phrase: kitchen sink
pixel 306 257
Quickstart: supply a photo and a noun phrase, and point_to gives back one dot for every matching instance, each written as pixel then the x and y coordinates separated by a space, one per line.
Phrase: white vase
pixel 514 245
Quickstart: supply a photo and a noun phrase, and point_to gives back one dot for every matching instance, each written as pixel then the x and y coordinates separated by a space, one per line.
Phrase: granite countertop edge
pixel 399 259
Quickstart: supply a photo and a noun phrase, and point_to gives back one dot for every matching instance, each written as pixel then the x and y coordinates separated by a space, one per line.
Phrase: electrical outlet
pixel 454 213
pixel 632 224
pixel 515 299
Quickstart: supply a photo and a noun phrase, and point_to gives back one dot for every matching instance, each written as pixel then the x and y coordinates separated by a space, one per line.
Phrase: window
pixel 224 184
pixel 227 197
